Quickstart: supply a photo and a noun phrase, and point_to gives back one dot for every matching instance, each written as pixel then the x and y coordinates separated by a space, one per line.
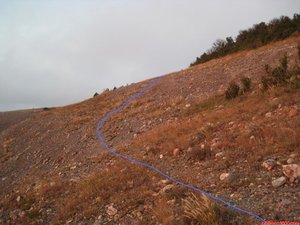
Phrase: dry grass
pixel 251 137
pixel 163 212
pixel 122 184
pixel 200 210
pixel 103 188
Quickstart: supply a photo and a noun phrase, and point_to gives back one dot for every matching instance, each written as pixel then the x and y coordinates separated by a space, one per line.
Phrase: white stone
pixel 268 114
pixel 111 211
pixel 219 154
pixel 279 182
pixel 225 177
pixel 292 171
pixel 290 161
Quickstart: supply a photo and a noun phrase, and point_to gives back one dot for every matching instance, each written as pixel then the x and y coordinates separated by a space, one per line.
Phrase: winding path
pixel 107 148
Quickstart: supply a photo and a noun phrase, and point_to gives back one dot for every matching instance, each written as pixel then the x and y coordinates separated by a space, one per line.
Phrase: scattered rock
pixel 226 177
pixel 166 188
pixel 292 171
pixel 187 105
pixel 290 161
pixel 164 182
pixel 279 182
pixel 219 154
pixel 268 114
pixel 231 123
pixel 111 211
pixel 293 112
pixel 161 156
pixel 99 220
pixel 294 155
pixel 269 164
pixel 189 150
pixel 18 199
pixel 176 152
pixel 275 101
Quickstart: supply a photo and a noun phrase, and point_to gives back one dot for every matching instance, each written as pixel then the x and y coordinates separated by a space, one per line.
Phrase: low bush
pixel 232 91
pixel 246 82
pixel 281 75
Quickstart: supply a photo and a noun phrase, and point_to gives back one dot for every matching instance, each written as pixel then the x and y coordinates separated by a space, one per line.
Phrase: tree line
pixel 254 37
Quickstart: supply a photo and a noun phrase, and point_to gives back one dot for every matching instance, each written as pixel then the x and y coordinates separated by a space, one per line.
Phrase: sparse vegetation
pixel 232 91
pixel 280 75
pixel 246 82
pixel 200 210
pixel 254 37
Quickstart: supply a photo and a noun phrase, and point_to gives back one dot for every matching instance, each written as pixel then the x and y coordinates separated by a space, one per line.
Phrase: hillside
pixel 53 169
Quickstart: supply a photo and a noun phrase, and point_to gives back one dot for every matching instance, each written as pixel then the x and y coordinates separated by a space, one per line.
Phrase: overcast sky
pixel 60 52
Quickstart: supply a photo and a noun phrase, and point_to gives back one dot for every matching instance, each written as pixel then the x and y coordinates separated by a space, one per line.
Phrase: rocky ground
pixel 53 169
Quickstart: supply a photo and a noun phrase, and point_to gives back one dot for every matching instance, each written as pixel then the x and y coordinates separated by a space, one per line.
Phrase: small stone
pixel 18 199
pixel 111 211
pixel 292 171
pixel 268 114
pixel 189 150
pixel 279 182
pixel 294 155
pixel 269 164
pixel 219 154
pixel 161 156
pixel 293 112
pixel 290 161
pixel 164 182
pixel 73 167
pixel 231 123
pixel 251 185
pixel 275 101
pixel 225 177
pixel 187 105
pixel 166 188
pixel 176 152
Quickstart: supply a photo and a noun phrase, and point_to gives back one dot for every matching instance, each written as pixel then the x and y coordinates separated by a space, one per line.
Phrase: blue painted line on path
pixel 107 148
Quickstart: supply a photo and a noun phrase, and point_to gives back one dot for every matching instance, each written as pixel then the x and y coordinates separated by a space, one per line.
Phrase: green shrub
pixel 232 91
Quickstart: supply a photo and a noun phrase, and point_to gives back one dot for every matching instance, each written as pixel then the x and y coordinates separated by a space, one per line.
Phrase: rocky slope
pixel 53 169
